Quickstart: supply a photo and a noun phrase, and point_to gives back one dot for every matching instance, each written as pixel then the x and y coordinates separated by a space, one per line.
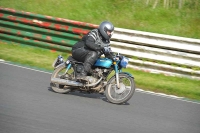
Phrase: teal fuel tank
pixel 103 62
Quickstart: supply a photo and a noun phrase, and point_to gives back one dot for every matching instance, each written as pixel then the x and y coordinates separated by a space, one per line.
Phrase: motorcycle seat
pixel 70 58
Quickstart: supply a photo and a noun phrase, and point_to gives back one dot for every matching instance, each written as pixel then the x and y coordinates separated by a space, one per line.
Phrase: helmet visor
pixel 110 33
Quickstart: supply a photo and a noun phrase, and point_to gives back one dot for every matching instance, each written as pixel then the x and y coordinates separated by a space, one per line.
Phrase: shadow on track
pixel 89 95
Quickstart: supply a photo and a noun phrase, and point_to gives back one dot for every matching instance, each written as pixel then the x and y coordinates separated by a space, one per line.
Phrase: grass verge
pixel 42 58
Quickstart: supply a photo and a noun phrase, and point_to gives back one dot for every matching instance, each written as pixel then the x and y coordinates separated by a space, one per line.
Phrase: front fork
pixel 68 66
pixel 117 74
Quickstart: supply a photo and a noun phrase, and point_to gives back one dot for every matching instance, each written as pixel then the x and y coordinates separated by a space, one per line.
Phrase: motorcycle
pixel 106 78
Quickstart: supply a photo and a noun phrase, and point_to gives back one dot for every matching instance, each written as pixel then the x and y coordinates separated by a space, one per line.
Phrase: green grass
pixel 42 58
pixel 130 14
pixel 29 56
pixel 166 84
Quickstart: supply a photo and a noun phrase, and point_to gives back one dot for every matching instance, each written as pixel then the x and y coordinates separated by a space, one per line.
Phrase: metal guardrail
pixel 40 30
pixel 149 52
pixel 157 53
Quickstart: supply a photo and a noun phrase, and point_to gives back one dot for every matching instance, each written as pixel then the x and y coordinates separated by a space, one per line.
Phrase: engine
pixel 99 72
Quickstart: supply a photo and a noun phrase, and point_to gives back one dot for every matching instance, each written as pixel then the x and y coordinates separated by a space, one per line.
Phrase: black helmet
pixel 104 27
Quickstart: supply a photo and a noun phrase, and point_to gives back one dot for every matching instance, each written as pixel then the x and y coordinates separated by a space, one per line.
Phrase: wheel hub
pixel 121 88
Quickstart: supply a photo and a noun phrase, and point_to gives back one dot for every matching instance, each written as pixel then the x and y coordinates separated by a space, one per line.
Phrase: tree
pixel 180 4
pixel 147 2
pixel 155 4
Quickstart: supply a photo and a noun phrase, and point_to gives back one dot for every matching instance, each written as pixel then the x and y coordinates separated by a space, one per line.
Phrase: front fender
pixel 127 73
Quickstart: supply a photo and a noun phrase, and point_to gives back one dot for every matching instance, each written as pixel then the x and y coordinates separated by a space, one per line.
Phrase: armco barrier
pixel 159 53
pixel 149 52
pixel 39 30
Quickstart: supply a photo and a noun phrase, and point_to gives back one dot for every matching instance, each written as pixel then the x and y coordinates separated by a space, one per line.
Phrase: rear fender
pixel 66 64
pixel 59 65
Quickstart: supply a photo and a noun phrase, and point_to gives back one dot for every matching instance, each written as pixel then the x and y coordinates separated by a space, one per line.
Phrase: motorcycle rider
pixel 90 47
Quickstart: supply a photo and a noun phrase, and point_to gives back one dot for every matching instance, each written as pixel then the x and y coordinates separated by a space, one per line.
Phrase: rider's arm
pixel 90 41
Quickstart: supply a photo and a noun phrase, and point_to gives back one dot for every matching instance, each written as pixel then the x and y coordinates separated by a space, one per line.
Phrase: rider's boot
pixel 84 75
pixel 89 61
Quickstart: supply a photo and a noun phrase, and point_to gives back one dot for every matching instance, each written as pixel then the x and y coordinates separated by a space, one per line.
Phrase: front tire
pixel 61 72
pixel 124 93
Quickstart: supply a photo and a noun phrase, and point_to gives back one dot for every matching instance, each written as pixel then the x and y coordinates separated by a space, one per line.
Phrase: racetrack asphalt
pixel 28 105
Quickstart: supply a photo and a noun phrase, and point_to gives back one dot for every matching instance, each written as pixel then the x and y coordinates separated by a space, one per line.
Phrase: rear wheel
pixel 124 92
pixel 62 73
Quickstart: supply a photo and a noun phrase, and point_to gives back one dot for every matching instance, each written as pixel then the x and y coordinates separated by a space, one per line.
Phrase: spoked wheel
pixel 124 92
pixel 61 73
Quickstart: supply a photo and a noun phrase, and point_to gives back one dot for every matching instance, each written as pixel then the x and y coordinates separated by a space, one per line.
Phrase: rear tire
pixel 60 72
pixel 126 91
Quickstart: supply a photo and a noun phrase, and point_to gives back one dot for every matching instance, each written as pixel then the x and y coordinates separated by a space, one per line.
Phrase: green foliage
pixel 130 14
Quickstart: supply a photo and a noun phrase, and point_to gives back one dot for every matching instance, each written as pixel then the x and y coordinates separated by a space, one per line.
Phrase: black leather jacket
pixel 92 41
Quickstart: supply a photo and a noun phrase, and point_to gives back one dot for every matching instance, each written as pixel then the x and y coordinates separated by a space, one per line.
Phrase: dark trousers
pixel 88 57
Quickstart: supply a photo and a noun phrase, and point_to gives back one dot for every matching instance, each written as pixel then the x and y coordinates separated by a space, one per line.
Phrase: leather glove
pixel 107 50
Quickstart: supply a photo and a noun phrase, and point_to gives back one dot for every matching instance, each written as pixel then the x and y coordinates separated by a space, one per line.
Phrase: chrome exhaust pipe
pixel 73 83
pixel 94 84
pixel 66 82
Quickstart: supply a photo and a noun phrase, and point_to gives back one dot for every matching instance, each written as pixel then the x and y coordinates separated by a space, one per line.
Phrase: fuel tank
pixel 103 62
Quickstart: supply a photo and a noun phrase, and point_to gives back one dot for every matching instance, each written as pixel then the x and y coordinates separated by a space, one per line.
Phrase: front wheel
pixel 124 93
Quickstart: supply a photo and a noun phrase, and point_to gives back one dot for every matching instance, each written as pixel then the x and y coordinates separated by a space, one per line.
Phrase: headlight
pixel 124 62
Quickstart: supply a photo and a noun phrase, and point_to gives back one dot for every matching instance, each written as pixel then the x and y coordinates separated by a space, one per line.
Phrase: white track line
pixel 166 96
pixel 24 67
pixel 137 90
